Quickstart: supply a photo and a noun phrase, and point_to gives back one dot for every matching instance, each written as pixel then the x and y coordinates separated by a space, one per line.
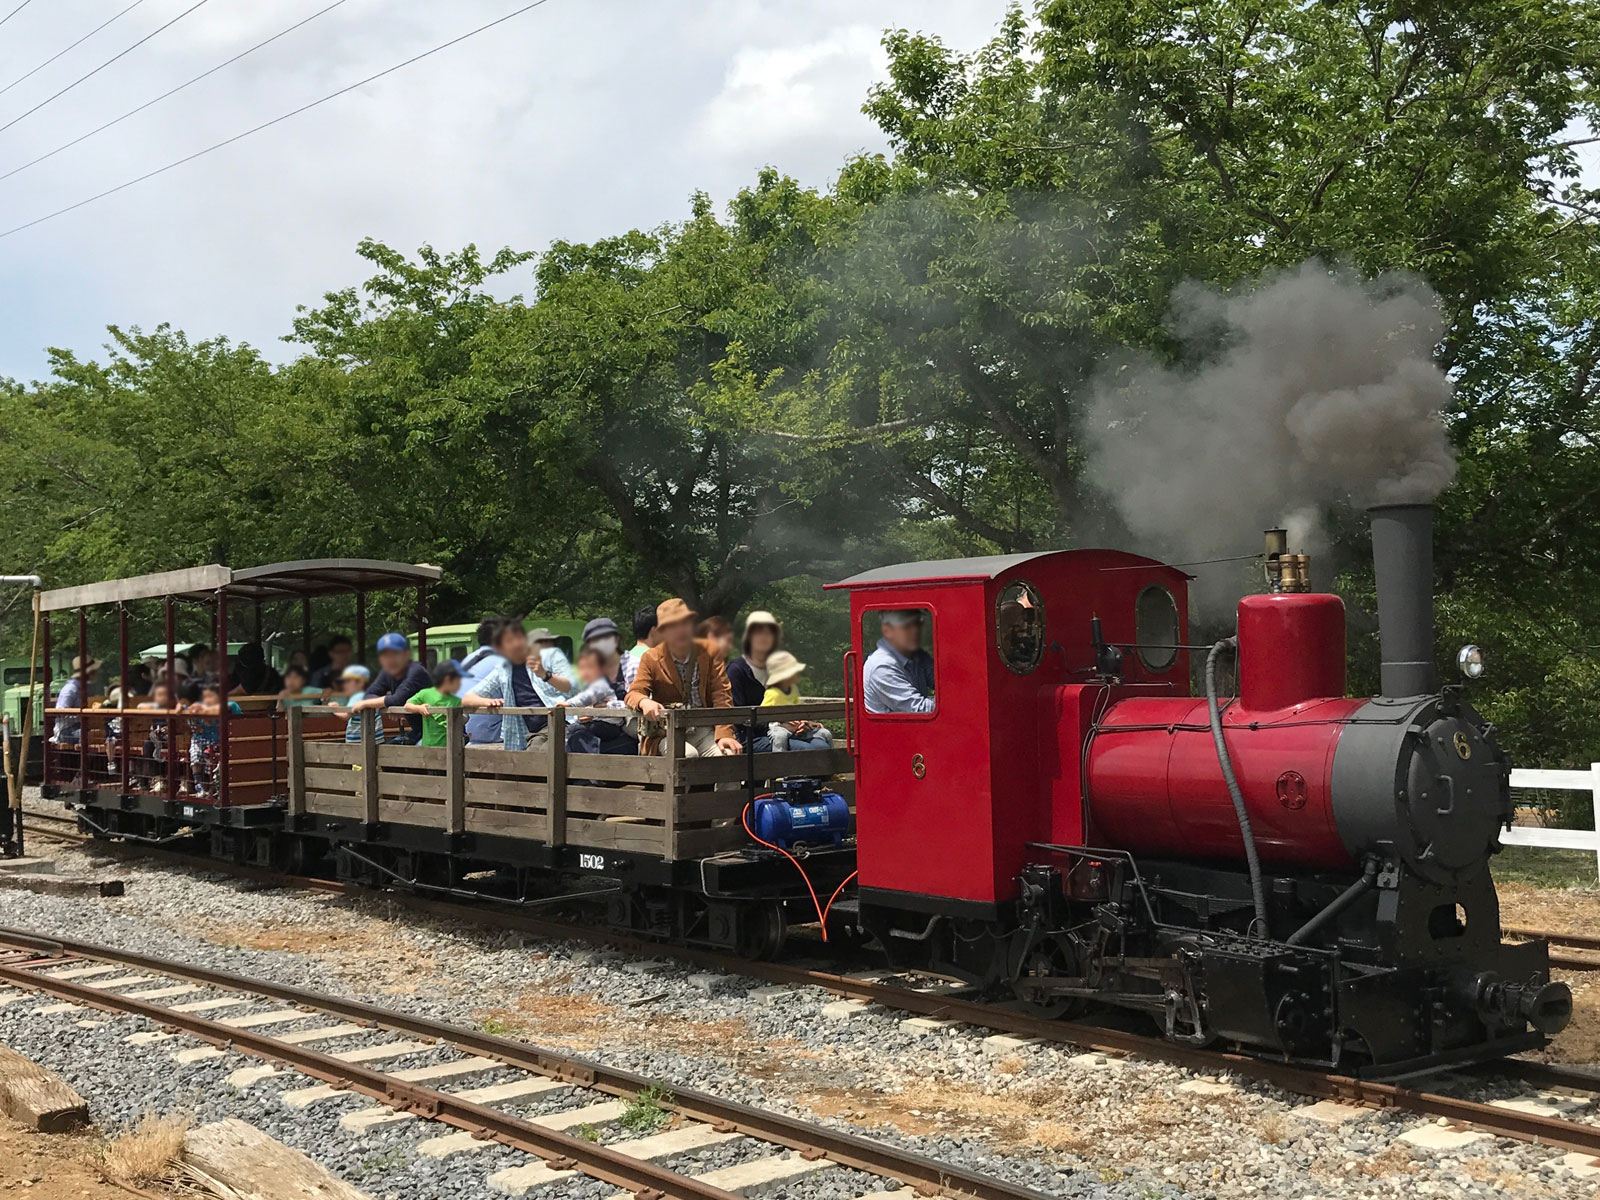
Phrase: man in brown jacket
pixel 680 670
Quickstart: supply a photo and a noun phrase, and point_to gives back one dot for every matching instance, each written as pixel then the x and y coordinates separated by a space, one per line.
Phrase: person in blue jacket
pixel 399 678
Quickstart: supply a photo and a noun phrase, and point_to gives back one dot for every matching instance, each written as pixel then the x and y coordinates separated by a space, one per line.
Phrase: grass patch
pixel 647 1111
pixel 1544 868
pixel 1062 1138
pixel 587 1132
pixel 147 1152
pixel 1274 1127
pixel 383 1162
pixel 497 1027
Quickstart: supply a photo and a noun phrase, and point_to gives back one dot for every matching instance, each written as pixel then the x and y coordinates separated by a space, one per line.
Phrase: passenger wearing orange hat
pixel 681 670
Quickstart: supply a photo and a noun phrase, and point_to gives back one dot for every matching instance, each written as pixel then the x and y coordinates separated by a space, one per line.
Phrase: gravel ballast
pixel 1041 1115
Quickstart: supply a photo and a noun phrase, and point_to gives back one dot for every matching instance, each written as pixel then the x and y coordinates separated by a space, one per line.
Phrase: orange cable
pixel 829 907
pixel 744 818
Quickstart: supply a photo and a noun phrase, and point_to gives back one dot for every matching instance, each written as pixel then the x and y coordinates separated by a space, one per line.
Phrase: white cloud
pixel 778 94
pixel 580 119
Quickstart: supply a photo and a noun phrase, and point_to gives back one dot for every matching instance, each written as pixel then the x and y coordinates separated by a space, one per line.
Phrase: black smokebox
pixel 1402 561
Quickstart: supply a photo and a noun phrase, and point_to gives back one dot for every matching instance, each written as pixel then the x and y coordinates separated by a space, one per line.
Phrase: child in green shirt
pixel 431 702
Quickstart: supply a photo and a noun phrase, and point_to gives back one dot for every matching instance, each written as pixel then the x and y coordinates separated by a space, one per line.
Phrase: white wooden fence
pixel 1558 839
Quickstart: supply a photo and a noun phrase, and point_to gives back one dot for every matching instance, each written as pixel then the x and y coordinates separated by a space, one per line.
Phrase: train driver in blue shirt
pixel 898 676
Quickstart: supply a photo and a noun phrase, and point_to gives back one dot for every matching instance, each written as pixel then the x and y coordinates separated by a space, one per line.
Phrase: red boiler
pixel 1154 782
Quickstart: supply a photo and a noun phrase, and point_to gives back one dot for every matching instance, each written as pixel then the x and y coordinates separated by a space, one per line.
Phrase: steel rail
pixel 1309 1082
pixel 1571 941
pixel 1547 1075
pixel 843 1149
pixel 1577 941
pixel 1569 963
pixel 54 819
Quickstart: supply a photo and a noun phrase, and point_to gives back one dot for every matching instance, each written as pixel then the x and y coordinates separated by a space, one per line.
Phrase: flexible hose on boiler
pixel 1257 895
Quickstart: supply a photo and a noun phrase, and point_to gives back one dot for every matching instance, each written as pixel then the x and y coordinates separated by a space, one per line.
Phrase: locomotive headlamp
pixel 1470 660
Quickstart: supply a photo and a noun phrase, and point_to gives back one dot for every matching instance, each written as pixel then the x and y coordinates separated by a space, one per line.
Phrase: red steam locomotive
pixel 1289 868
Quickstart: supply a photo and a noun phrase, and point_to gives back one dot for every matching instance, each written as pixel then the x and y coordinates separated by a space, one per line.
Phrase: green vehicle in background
pixel 14 678
pixel 458 641
pixel 19 708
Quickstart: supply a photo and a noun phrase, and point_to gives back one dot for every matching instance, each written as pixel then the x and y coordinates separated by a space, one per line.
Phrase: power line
pixel 15 11
pixel 173 92
pixel 104 65
pixel 278 120
pixel 70 48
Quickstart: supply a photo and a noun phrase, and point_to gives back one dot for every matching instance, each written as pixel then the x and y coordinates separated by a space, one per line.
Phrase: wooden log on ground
pixel 258 1167
pixel 57 885
pixel 37 1097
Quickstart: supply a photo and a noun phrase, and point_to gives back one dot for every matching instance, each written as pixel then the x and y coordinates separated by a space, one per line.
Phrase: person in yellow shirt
pixel 783 688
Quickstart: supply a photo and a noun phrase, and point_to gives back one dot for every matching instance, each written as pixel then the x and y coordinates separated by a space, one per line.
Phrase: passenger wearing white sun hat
pixel 783 688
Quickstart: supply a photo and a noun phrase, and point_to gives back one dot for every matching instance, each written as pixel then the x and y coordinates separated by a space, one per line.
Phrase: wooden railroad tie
pixel 37 1097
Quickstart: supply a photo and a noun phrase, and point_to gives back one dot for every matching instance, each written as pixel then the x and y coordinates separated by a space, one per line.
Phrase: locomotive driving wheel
pixel 1041 960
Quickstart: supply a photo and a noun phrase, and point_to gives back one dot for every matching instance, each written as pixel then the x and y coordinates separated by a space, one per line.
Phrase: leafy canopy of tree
pixel 734 405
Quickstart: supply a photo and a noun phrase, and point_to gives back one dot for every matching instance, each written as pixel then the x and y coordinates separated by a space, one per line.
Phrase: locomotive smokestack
pixel 1402 560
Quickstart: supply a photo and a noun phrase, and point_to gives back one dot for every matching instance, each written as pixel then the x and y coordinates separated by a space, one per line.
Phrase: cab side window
pixel 1019 626
pixel 897 670
pixel 1156 627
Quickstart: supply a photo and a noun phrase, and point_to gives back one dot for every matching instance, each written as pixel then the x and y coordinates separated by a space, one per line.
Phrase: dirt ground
pixel 51 1166
pixel 1563 910
pixel 1579 1042
pixel 357 948
pixel 1560 910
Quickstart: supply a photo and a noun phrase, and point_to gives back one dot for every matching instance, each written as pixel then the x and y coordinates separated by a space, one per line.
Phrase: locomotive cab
pixel 948 801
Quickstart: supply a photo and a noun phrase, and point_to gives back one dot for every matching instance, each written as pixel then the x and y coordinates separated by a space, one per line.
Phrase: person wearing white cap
pixel 783 688
pixel 353 681
pixel 898 676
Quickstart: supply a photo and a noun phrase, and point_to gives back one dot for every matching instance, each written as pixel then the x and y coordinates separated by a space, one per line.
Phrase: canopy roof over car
pixel 279 581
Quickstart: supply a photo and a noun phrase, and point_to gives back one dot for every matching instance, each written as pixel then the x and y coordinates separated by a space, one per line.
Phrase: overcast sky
pixel 580 119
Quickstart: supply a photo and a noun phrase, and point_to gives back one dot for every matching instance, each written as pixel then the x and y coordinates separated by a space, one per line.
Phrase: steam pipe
pixel 1368 880
pixel 1258 895
pixel 1402 563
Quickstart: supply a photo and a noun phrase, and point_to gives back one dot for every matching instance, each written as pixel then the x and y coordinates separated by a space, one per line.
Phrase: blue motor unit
pixel 802 811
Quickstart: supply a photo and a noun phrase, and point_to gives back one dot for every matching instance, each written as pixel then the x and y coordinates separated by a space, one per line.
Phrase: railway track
pixel 57 825
pixel 1570 941
pixel 1518 1123
pixel 291 1028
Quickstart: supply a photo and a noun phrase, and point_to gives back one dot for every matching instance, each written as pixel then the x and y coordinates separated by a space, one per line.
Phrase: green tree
pixel 671 368
pixel 1049 191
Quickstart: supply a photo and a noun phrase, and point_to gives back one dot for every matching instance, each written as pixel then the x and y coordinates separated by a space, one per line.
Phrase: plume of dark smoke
pixel 1309 389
